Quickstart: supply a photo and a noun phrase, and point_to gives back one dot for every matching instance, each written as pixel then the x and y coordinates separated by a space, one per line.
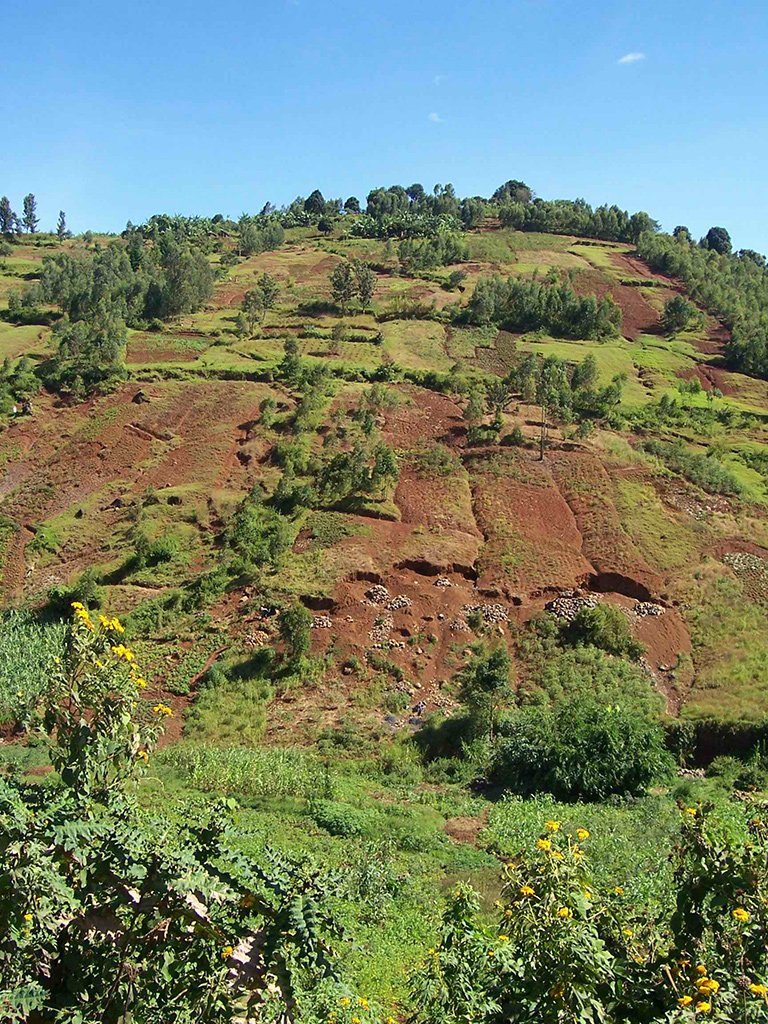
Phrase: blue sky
pixel 115 110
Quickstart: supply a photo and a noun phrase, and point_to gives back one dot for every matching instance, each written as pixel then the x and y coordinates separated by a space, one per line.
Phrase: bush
pixel 604 627
pixel 580 750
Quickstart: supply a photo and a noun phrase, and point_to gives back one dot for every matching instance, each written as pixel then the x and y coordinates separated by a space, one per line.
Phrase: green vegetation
pixel 431 573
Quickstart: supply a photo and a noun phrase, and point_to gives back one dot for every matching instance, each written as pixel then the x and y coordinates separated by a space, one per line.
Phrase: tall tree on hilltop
pixel 8 218
pixel 314 204
pixel 61 226
pixel 30 219
pixel 718 240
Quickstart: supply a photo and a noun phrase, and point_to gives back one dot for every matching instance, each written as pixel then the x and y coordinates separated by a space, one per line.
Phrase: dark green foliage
pixel 553 306
pixel 718 240
pixel 580 750
pixel 604 627
pixel 364 470
pixel 61 227
pixel 8 219
pixel 259 234
pixel 90 351
pixel 30 219
pixel 678 314
pixel 259 534
pixel 485 685
pixel 436 251
pixel 438 460
pixel 512 191
pixel 576 217
pixel 732 287
pixel 295 623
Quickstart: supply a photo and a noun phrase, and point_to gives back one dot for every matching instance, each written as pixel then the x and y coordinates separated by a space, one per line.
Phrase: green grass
pixel 730 648
pixel 27 650
pixel 667 540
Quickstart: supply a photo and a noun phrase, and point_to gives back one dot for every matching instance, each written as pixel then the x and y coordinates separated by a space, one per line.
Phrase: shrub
pixel 580 750
pixel 604 627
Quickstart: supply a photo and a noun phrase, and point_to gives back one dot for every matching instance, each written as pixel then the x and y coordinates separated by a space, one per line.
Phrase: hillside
pixel 179 443
pixel 440 536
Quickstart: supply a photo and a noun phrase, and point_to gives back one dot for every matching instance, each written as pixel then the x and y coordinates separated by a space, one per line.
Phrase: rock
pixel 490 613
pixel 322 622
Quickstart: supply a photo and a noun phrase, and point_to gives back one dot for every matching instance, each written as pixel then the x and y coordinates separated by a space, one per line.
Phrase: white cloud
pixel 631 58
pixel 435 118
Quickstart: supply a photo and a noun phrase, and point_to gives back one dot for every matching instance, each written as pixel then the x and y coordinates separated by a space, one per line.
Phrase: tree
pixel 512 191
pixel 61 227
pixel 8 218
pixel 678 314
pixel 314 204
pixel 484 686
pixel 365 282
pixel 343 285
pixel 325 225
pixel 269 289
pixel 681 233
pixel 295 623
pixel 718 240
pixel 30 219
pixel 352 205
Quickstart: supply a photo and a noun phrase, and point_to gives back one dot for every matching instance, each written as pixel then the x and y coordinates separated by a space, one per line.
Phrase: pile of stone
pixel 643 608
pixel 322 622
pixel 377 594
pixel 490 613
pixel 401 601
pixel 381 629
pixel 443 581
pixel 751 570
pixel 258 638
pixel 568 605
pixel 458 626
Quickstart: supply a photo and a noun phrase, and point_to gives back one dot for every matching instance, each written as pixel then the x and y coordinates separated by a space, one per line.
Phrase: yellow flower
pixel 527 890
pixel 491 952
pixel 564 913
pixel 345 1001
pixel 741 915
pixel 759 990
pixel 503 938
pixel 121 652
pixel 355 1020
pixel 143 755
pixel 628 932
pixel 507 913
pixel 618 890
pixel 552 826
pixel 77 605
pixel 708 986
pixel 691 811
pixel 701 969
pixel 588 894
pixel 28 918
pixel 703 1006
pixel 362 1002
pixel 543 844
pixel 556 855
pixel 582 834
pixel 227 952
pixel 162 709
pixel 685 1000
pixel 141 682
pixel 578 854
